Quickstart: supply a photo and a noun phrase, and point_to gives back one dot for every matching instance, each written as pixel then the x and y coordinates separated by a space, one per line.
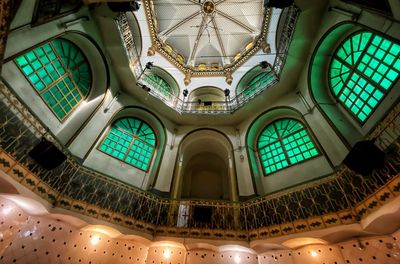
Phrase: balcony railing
pixel 342 198
pixel 230 105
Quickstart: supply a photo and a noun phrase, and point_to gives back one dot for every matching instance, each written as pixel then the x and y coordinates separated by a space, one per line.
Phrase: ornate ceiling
pixel 207 37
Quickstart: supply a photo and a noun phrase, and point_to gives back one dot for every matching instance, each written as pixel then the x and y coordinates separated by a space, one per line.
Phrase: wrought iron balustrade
pixel 337 199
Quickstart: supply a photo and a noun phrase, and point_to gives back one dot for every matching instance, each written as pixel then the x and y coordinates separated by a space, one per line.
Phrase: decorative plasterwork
pixel 208 17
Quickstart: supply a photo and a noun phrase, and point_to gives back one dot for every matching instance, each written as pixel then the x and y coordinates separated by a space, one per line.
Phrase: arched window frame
pixel 49 58
pixel 151 79
pixel 278 150
pixel 258 82
pixel 372 90
pixel 121 142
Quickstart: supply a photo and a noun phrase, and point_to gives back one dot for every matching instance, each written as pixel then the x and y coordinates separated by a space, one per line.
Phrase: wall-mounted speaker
pixel 47 155
pixel 364 157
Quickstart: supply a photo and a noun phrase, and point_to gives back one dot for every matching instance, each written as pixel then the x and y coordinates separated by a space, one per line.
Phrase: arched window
pixel 258 82
pixel 159 83
pixel 283 143
pixel 132 141
pixel 363 69
pixel 59 72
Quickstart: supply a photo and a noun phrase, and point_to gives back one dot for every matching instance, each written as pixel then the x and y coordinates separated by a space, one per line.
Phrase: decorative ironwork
pixel 214 107
pixel 342 198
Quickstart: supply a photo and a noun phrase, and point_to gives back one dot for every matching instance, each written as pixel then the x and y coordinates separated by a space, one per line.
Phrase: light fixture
pixel 148 66
pixel 237 259
pixel 264 64
pixel 167 253
pixel 7 210
pixel 313 253
pixel 185 92
pixel 227 92
pixel 95 240
pixel 135 6
pixel 145 87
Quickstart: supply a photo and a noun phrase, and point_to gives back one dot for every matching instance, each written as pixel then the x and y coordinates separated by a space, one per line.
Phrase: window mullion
pixel 129 147
pixel 350 73
pixel 282 145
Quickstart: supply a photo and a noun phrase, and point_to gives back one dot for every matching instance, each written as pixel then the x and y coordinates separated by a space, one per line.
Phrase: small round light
pixel 314 254
pixel 95 240
pixel 167 253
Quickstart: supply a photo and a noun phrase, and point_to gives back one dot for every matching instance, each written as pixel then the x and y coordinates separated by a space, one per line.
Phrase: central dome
pixel 207 37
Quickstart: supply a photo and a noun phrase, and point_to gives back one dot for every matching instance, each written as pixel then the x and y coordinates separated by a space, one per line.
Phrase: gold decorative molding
pixel 176 58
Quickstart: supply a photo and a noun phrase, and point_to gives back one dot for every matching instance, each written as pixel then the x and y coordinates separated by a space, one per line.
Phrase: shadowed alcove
pixel 205 167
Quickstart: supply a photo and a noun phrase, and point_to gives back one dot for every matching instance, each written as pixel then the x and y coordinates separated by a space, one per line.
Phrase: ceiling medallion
pixel 207 37
pixel 208 7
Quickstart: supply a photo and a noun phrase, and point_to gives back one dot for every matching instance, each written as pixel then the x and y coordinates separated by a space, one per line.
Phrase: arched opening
pixel 255 81
pixel 283 151
pixel 205 167
pixel 163 85
pixel 207 98
pixel 60 72
pixel 134 139
pixel 353 78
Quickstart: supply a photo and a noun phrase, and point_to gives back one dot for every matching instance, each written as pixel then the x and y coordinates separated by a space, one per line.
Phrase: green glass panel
pixel 289 143
pixel 50 68
pixel 127 144
pixel 386 84
pixel 260 81
pixel 392 75
pixel 159 84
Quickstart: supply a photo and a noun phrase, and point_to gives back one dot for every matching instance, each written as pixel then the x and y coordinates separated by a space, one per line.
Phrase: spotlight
pixel 149 65
pixel 264 64
pixel 227 92
pixel 167 253
pixel 314 254
pixel 135 6
pixel 146 88
pixel 95 240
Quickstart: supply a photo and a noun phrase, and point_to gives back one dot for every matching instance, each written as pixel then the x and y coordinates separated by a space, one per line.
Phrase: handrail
pixel 318 204
pixel 231 104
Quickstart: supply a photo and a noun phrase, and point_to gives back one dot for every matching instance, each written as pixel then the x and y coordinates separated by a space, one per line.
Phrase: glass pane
pixel 363 66
pixel 284 143
pixel 132 141
pixel 50 68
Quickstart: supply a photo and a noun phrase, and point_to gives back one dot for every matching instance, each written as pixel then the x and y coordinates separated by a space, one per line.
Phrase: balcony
pixel 341 198
pixel 231 104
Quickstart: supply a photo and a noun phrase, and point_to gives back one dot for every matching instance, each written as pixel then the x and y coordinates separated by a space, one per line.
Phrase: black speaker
pixel 364 157
pixel 278 3
pixel 202 214
pixel 47 155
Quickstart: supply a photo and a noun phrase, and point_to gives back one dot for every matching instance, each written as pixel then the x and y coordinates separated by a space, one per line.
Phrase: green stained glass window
pixel 258 82
pixel 59 72
pixel 363 69
pixel 158 83
pixel 132 141
pixel 283 143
